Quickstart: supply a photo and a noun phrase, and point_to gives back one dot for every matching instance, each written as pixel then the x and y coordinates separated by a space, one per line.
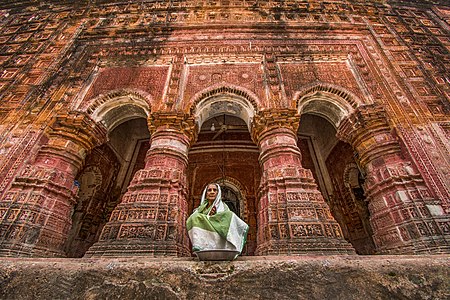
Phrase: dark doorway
pixel 334 167
pixel 225 153
pixel 103 180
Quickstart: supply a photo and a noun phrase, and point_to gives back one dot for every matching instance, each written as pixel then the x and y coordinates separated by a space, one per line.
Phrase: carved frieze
pixel 203 76
pixel 300 74
pixel 149 79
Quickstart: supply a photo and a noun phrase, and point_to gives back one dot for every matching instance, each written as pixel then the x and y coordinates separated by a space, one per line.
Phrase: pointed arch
pixel 117 107
pixel 231 100
pixel 326 100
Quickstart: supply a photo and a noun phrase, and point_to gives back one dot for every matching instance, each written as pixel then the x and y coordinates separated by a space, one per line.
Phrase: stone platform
pixel 263 277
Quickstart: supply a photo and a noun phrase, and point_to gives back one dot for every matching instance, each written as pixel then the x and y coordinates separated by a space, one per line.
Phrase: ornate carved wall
pixel 370 173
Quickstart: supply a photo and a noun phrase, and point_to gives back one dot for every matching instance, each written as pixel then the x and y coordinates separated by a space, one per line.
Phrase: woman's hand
pixel 213 211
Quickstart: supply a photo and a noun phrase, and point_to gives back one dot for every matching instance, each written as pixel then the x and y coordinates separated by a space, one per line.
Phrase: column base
pixel 429 245
pixel 29 240
pixel 129 248
pixel 307 246
pixel 418 235
pixel 8 249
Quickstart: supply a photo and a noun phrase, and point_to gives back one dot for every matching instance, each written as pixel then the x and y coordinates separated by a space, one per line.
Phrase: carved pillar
pixel 150 219
pixel 35 213
pixel 293 217
pixel 404 216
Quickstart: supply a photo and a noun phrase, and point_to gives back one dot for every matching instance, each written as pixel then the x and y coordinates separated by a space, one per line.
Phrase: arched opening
pixel 232 199
pixel 347 201
pixel 334 167
pixel 95 201
pixel 106 174
pixel 334 163
pixel 225 153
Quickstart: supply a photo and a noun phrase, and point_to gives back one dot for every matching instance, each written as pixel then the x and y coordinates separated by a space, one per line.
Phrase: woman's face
pixel 211 192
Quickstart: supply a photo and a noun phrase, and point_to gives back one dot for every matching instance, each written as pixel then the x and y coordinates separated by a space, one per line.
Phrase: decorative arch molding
pixel 230 100
pixel 329 101
pixel 239 189
pixel 119 106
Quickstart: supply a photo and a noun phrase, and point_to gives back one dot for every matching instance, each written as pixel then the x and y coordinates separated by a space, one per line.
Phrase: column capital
pixel 270 119
pixel 177 121
pixel 78 127
pixel 364 120
pixel 367 129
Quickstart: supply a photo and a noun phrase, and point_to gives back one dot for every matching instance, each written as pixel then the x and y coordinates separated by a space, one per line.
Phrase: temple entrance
pixel 224 153
pixel 103 180
pixel 335 169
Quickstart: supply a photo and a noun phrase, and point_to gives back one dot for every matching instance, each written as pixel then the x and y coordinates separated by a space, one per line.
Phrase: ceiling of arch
pixel 121 114
pixel 224 105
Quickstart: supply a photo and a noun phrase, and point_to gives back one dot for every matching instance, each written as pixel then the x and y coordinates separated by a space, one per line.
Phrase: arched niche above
pixel 224 100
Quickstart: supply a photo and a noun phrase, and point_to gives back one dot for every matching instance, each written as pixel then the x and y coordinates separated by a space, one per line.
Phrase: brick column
pixel 293 217
pixel 405 217
pixel 150 219
pixel 35 213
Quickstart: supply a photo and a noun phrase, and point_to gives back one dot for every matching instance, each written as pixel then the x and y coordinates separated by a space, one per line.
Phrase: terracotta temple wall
pixel 377 70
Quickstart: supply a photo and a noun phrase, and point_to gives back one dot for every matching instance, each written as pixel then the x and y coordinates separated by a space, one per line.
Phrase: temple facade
pixel 326 123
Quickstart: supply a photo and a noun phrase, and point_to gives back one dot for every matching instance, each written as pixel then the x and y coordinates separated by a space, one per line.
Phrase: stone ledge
pixel 259 277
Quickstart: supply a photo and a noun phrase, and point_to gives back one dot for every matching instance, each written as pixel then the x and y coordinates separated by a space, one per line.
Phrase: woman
pixel 213 226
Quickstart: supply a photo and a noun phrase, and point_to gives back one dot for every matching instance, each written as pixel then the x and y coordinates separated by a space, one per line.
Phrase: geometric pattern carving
pixel 59 56
pixel 146 79
pixel 37 208
pixel 151 216
pixel 293 217
pixel 300 75
pixel 248 76
pixel 405 217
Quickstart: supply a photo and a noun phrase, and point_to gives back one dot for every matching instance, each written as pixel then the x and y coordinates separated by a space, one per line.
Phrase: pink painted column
pixel 150 219
pixel 404 215
pixel 35 213
pixel 293 217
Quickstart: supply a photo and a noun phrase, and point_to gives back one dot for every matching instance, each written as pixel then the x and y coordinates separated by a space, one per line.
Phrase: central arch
pixel 216 101
pixel 225 153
